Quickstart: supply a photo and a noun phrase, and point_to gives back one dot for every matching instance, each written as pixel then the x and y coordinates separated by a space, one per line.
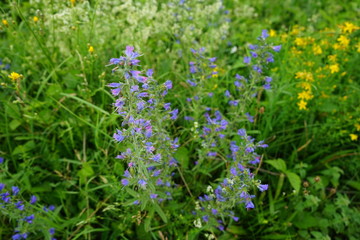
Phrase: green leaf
pixel 160 212
pixel 132 193
pixel 238 230
pixel 182 155
pixel 294 180
pixel 85 171
pixel 354 184
pixel 279 164
pixel 14 124
pixel 148 220
pixel 24 148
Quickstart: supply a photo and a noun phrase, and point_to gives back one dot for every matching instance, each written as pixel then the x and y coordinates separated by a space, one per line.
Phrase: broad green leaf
pixel 279 164
pixel 294 180
pixel 14 124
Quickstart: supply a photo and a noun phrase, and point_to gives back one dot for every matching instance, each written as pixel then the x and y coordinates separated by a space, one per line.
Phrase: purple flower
pixel 15 190
pixel 114 85
pixel 227 93
pixel 249 204
pixel 263 187
pixel 221 227
pixel 134 88
pixel 254 54
pixel 234 102
pixel 277 48
pixel 249 117
pixel 205 218
pixel 2 186
pixel 168 84
pixel 115 91
pixel 124 181
pixel 127 174
pixel 167 106
pixel 212 59
pixel 174 114
pixel 153 195
pixel 1 160
pixel 30 218
pixel 247 60
pixel 136 202
pixel 264 34
pixel 235 218
pixel 143 94
pixel 233 171
pixel 252 47
pixel 191 83
pixel 115 61
pixel 52 231
pixel 212 154
pixel 268 79
pixel 17 236
pixel 242 132
pixel 249 149
pixel 214 211
pixel 142 182
pixel 267 86
pixel 33 199
pixel 119 136
pixel 157 157
pixel 149 72
pixel 20 206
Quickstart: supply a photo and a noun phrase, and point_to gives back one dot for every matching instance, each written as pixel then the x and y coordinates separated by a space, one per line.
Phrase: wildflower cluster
pixel 261 55
pixel 140 103
pixel 217 137
pixel 319 62
pixel 235 188
pixel 26 212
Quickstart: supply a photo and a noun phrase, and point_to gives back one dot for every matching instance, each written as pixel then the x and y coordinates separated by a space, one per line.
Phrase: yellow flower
pixel 300 41
pixel 306 86
pixel 344 41
pixel 73 2
pixel 357 125
pixel 317 49
pixel 353 137
pixel 348 27
pixel 332 58
pixel 305 95
pixel 334 68
pixel 5 22
pixel 15 76
pixel 35 19
pixel 302 105
pixel 91 49
pixel 336 46
pixel 215 87
pixel 272 33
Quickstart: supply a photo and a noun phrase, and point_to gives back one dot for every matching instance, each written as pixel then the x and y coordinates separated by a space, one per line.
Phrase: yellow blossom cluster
pixel 322 57
pixel 305 95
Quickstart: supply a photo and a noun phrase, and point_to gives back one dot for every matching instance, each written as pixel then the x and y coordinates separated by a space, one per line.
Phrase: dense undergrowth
pixel 157 119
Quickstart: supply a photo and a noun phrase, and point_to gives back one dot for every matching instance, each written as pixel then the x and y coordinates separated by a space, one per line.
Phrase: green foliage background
pixel 56 125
